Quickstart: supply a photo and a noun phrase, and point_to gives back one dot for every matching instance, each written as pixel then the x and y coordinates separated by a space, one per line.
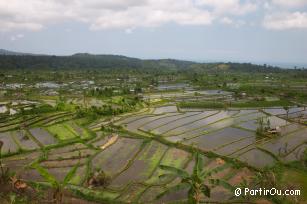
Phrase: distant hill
pixel 82 61
pixel 15 60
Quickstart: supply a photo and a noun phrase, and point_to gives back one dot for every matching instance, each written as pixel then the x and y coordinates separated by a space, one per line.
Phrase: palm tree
pixel 196 183
pixel 58 186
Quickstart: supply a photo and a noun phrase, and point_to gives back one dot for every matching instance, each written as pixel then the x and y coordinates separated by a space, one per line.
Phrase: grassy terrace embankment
pixel 220 105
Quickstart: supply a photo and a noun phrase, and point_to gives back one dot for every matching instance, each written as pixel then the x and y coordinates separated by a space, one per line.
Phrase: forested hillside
pixel 9 61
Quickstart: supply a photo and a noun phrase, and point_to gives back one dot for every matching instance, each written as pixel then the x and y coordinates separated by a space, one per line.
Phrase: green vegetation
pixel 5 173
pixel 119 130
pixel 248 104
pixel 196 182
pixel 204 104
pixel 304 158
pixel 297 178
pixel 263 127
pixel 57 186
pixel 62 131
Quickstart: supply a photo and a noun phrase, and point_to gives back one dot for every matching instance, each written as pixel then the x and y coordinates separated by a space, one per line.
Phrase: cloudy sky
pixel 203 30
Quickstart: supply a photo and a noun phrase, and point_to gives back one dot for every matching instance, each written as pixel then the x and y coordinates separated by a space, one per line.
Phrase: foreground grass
pixel 296 178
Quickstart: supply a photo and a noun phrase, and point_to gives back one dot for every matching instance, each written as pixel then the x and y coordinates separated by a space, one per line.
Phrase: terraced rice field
pixel 130 155
pixel 229 133
pixel 9 145
pixel 43 136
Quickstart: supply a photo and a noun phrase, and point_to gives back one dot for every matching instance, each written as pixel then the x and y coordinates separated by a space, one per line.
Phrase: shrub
pixel 99 179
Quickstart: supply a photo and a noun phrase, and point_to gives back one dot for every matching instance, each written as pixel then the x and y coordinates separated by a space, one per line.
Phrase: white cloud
pixel 232 22
pixel 128 15
pixel 227 21
pixel 290 3
pixel 117 14
pixel 281 21
pixel 6 25
pixel 16 37
pixel 234 7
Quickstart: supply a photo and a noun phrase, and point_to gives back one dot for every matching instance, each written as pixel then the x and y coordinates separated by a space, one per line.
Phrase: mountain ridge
pixel 28 61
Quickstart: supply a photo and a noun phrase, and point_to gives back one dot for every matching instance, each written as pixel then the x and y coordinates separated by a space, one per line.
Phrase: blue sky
pixel 260 31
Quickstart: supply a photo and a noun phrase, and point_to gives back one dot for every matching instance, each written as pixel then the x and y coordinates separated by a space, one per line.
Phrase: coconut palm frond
pixel 199 165
pixel 206 190
pixel 178 172
pixel 173 189
pixel 46 175
pixel 220 182
pixel 70 174
pixel 211 172
pixel 167 175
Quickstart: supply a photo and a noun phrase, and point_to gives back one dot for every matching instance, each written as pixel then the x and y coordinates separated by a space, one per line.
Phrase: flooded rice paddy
pixel 149 139
pixel 226 132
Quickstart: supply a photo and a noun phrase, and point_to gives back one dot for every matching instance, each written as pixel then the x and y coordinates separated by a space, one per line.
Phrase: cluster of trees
pixel 263 127
pixel 125 105
pixel 94 111
pixel 33 109
pixel 44 108
pixel 110 91
pixel 106 91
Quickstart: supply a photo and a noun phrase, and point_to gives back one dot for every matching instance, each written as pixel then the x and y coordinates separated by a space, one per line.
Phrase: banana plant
pixel 58 186
pixel 198 183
